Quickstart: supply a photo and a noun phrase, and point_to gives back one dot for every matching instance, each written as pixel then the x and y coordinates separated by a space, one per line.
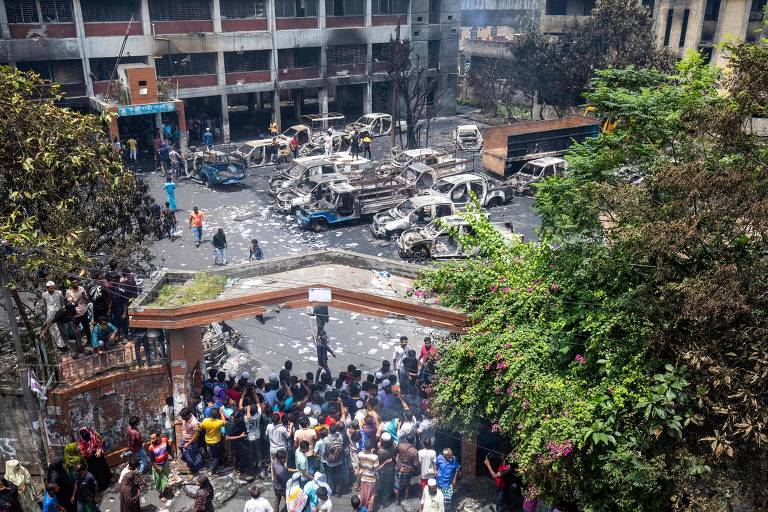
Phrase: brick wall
pixel 146 74
pixel 105 404
pixel 182 27
pixel 112 29
pixel 295 23
pixel 192 81
pixel 388 20
pixel 248 77
pixel 344 21
pixel 299 73
pixel 54 30
pixel 243 25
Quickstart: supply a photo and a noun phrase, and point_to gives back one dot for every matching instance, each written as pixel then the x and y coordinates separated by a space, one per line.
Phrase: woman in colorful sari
pixel 19 476
pixel 91 447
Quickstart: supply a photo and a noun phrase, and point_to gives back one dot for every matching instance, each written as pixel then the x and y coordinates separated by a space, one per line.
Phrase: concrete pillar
pixel 185 350
pixel 323 61
pixel 322 98
pixel 77 15
pixel 298 102
pixel 368 97
pixel 221 80
pixel 146 22
pixel 183 129
pixel 276 107
pixel 216 15
pixel 368 13
pixel 5 31
pixel 321 14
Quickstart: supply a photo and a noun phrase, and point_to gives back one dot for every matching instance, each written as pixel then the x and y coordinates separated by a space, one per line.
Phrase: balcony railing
pixel 146 351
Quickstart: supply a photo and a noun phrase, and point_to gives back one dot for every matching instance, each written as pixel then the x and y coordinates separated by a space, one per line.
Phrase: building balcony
pixel 557 24
pixel 69 371
pixel 182 26
pixel 380 67
pixel 344 70
pixel 248 77
pixel 391 19
pixel 299 73
pixel 112 28
pixel 42 30
pixel 295 23
pixel 344 21
pixel 193 81
pixel 244 25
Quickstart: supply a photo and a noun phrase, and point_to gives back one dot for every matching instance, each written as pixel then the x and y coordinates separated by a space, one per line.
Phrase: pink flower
pixel 526 404
pixel 494 287
pixel 510 390
pixel 580 359
pixel 508 345
pixel 495 427
pixel 437 300
pixel 506 289
pixel 501 366
pixel 496 391
pixel 530 290
pixel 554 287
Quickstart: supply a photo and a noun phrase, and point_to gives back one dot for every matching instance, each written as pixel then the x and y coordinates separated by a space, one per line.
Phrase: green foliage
pixel 622 355
pixel 65 193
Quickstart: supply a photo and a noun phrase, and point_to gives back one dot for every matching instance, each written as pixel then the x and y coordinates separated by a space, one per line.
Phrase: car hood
pixel 413 235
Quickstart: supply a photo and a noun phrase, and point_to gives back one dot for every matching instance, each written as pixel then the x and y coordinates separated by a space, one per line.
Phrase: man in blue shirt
pixel 448 469
pixel 50 503
pixel 208 139
pixel 103 334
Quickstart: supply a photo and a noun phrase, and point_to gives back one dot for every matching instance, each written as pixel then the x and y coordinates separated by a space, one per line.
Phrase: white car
pixel 467 137
pixel 534 171
pixel 376 124
pixel 416 211
pixel 460 187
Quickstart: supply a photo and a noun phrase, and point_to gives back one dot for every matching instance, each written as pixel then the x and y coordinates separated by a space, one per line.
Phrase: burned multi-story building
pixel 242 62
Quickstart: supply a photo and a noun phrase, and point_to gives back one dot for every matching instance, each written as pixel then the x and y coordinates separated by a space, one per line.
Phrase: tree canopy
pixel 624 354
pixel 66 195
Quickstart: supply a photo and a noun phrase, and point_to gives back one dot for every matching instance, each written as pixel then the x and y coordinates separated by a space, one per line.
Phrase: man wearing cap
pixel 54 301
pixel 432 498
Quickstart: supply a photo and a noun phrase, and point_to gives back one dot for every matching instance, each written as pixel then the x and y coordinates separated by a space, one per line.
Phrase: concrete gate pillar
pixel 276 107
pixel 224 117
pixel 368 98
pixel 298 102
pixel 185 350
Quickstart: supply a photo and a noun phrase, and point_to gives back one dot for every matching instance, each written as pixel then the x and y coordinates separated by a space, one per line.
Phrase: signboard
pixel 319 295
pixel 149 108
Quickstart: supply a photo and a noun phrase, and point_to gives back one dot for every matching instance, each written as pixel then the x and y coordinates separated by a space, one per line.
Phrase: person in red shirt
pixel 135 443
pixel 427 350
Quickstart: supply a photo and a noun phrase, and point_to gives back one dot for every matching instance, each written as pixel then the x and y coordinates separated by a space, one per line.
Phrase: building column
pixel 368 13
pixel 323 61
pixel 146 22
pixel 322 99
pixel 185 350
pixel 321 14
pixel 276 107
pixel 298 102
pixel 216 15
pixel 77 16
pixel 5 31
pixel 221 79
pixel 183 129
pixel 368 97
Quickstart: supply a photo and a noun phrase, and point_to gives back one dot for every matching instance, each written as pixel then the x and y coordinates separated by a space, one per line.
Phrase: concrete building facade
pixel 681 25
pixel 241 61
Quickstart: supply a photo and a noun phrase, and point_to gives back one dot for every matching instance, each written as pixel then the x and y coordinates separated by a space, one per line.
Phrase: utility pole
pixel 29 400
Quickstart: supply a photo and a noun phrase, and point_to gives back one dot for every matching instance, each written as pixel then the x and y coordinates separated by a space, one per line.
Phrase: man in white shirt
pixel 427 462
pixel 257 503
pixel 399 354
pixel 432 498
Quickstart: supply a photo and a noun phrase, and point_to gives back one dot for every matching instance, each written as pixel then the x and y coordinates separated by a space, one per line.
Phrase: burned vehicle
pixel 304 167
pixel 416 211
pixel 309 190
pixel 375 124
pixel 436 240
pixel 460 188
pixel 215 168
pixel 316 146
pixel 534 171
pixel 467 137
pixel 425 176
pixel 253 153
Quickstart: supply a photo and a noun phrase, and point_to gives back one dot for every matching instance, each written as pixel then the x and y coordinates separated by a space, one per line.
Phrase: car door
pixel 477 187
pixel 386 125
pixel 460 194
pixel 446 246
pixel 421 216
pixel 376 127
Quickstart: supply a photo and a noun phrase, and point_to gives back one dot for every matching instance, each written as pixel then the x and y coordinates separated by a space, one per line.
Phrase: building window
pixel 473 33
pixel 387 7
pixel 494 31
pixel 101 69
pixel 433 54
pixel 588 6
pixel 668 29
pixel 346 54
pixel 243 9
pixel 555 7
pixel 42 68
pixel 189 64
pixel 236 62
pixel 379 52
pixel 295 8
pixel 757 12
pixel 176 10
pixel 299 58
pixel 435 6
pixel 712 10
pixel 344 7
pixel 684 28
pixel 110 10
pixel 61 71
pixel 37 11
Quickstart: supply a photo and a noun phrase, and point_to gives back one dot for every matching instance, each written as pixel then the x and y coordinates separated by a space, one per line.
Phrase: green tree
pixel 66 195
pixel 624 354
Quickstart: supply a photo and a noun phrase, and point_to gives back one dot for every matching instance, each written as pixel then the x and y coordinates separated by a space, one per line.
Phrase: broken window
pixel 433 54
pixel 182 65
pixel 386 7
pixel 243 9
pixel 344 7
pixel 257 60
pixel 101 69
pixel 346 54
pixel 42 68
pixel 110 10
pixel 295 8
pixel 67 71
pixel 380 52
pixel 295 58
pixel 36 11
pixel 174 10
pixel 555 7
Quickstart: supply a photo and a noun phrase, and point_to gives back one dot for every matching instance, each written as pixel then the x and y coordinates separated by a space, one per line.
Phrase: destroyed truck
pixel 460 188
pixel 303 168
pixel 345 202
pixel 416 211
pixel 310 190
pixel 467 137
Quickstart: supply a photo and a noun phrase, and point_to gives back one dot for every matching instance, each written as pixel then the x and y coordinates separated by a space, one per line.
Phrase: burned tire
pixel 495 202
pixel 393 236
pixel 318 225
pixel 420 256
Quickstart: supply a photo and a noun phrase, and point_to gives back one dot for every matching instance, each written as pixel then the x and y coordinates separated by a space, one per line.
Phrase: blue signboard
pixel 149 108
